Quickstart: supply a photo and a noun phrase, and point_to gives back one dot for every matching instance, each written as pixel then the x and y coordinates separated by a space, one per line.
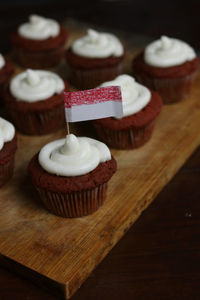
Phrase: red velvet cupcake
pixel 94 58
pixel 34 101
pixel 39 43
pixel 141 107
pixel 6 71
pixel 8 147
pixel 71 175
pixel 168 66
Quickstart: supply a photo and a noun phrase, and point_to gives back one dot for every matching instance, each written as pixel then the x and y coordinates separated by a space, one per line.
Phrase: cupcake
pixel 168 66
pixel 141 106
pixel 94 58
pixel 8 147
pixel 71 175
pixel 40 43
pixel 34 100
pixel 6 70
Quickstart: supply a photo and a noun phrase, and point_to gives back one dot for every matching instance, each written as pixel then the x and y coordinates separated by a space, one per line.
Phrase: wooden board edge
pixel 46 283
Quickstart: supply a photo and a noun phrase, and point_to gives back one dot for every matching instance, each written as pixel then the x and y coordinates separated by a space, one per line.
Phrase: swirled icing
pixel 134 95
pixel 39 28
pixel 2 61
pixel 7 132
pixel 168 52
pixel 73 156
pixel 35 85
pixel 97 45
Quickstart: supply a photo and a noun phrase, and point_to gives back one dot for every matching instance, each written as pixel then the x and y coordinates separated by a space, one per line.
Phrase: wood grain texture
pixel 65 251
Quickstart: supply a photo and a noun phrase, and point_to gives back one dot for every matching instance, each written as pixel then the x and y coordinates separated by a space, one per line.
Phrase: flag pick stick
pixel 68 132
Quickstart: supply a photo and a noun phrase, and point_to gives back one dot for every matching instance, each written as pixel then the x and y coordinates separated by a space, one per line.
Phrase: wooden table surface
pixel 159 257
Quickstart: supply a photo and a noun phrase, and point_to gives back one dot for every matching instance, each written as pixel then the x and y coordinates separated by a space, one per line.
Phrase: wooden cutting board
pixel 63 252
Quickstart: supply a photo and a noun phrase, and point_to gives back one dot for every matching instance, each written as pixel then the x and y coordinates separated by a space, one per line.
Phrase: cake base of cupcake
pixel 75 204
pixel 39 54
pixel 88 73
pixel 75 196
pixel 172 90
pixel 40 59
pixel 7 157
pixel 6 171
pixel 125 139
pixel 38 123
pixel 91 78
pixel 172 83
pixel 131 131
pixel 36 118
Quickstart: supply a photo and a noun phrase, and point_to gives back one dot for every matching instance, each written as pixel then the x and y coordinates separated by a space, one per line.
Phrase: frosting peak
pixel 7 132
pixel 37 21
pixel 71 145
pixel 36 85
pixel 168 52
pixel 2 61
pixel 32 77
pixel 97 45
pixel 134 95
pixel 39 28
pixel 166 42
pixel 93 35
pixel 73 156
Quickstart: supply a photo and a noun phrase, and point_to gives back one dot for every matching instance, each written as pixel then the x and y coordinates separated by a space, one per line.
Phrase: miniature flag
pixel 93 104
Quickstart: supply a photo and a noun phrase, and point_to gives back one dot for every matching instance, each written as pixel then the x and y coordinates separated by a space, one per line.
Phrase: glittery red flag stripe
pixel 93 104
pixel 87 97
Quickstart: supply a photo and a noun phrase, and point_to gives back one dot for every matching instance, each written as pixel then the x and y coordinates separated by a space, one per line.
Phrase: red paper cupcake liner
pixel 75 204
pixel 39 60
pixel 125 139
pixel 91 78
pixel 38 123
pixel 6 171
pixel 172 90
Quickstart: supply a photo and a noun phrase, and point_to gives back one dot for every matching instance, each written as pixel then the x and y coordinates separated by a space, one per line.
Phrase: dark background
pixel 153 18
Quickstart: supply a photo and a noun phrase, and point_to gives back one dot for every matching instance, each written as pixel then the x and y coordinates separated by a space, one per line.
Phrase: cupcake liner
pixel 91 78
pixel 74 204
pixel 6 171
pixel 38 123
pixel 172 90
pixel 39 59
pixel 125 139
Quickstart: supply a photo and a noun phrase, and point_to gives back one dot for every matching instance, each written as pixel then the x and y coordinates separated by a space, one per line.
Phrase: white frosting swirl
pixel 134 95
pixel 32 86
pixel 39 28
pixel 2 61
pixel 97 45
pixel 7 132
pixel 73 156
pixel 168 52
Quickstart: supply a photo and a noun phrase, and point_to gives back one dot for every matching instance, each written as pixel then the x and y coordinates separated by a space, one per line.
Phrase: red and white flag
pixel 93 104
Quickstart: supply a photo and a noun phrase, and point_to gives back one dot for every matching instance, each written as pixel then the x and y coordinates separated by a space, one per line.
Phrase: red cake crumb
pixel 60 184
pixel 140 67
pixel 81 62
pixel 39 45
pixel 8 150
